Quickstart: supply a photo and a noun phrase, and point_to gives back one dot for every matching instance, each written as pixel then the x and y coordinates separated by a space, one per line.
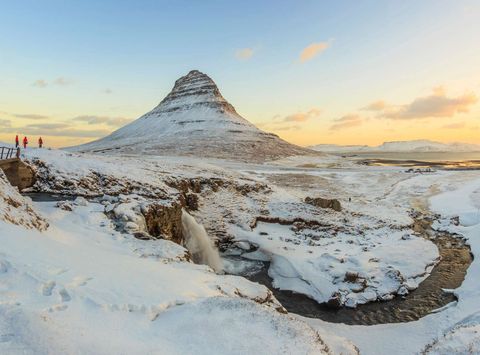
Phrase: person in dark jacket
pixel 40 142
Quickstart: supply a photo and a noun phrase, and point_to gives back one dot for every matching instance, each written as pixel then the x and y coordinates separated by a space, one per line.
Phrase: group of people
pixel 25 142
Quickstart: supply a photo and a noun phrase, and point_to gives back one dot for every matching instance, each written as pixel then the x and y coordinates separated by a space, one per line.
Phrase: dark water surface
pixel 48 197
pixel 430 296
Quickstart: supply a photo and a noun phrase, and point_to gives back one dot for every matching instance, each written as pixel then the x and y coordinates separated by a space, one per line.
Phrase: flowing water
pixel 429 297
pixel 199 243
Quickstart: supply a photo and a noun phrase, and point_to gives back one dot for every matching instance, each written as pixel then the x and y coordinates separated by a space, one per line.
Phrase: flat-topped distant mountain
pixel 420 145
pixel 194 119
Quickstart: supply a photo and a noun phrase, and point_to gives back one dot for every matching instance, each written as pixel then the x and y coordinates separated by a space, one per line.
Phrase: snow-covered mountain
pixel 194 119
pixel 420 145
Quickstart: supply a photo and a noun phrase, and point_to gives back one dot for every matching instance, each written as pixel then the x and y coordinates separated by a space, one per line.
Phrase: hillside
pixel 194 119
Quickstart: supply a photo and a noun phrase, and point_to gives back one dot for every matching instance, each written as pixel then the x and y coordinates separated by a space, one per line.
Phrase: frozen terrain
pixel 74 266
pixel 81 286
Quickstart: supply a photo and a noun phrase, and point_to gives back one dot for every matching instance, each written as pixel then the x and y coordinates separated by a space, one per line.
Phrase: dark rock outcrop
pixel 333 204
pixel 18 173
pixel 165 221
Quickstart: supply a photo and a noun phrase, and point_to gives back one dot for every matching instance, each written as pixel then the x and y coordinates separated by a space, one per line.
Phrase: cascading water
pixel 199 244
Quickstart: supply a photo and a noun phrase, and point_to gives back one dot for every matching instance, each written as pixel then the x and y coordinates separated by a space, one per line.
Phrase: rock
pixel 351 276
pixel 191 202
pixel 333 204
pixel 165 221
pixel 142 235
pixel 335 301
pixel 64 205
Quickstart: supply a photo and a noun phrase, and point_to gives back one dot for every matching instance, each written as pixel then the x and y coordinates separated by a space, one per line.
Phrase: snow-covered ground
pixel 81 287
pixel 453 330
pixel 154 299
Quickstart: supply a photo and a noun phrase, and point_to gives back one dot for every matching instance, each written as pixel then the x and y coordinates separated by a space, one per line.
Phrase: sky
pixel 313 72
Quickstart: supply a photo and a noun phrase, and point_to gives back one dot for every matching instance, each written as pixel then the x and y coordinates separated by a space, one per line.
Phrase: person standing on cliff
pixel 40 142
pixel 25 142
pixel 17 142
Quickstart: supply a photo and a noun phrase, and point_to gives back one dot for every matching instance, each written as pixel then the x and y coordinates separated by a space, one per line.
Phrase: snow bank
pixel 376 268
pixel 83 277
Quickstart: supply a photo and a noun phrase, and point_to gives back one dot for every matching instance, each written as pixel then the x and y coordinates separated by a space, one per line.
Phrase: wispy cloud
pixel 109 121
pixel 108 91
pixel 40 83
pixel 57 130
pixel 379 105
pixel 457 125
pixel 30 116
pixel 312 50
pixel 5 123
pixel 302 116
pixel 61 81
pixel 437 104
pixel 347 121
pixel 244 53
pixel 288 128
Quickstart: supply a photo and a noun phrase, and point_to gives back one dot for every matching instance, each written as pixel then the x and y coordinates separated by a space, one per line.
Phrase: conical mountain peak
pixel 194 119
pixel 195 89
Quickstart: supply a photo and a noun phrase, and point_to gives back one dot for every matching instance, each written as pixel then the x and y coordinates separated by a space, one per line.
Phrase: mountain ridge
pixel 418 145
pixel 194 119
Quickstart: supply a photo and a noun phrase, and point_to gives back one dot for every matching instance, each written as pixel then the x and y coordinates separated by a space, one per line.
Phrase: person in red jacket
pixel 25 142
pixel 17 142
pixel 40 142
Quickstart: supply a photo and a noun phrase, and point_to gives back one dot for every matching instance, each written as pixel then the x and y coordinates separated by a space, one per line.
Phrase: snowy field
pixel 84 285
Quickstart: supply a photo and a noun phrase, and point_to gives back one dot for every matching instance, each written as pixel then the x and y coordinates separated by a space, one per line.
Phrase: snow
pixel 82 287
pixel 375 243
pixel 420 145
pixel 16 209
pixel 453 329
pixel 193 119
pixel 82 274
pixel 384 266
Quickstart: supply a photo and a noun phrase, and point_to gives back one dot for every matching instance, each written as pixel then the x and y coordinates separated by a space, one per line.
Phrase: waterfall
pixel 199 244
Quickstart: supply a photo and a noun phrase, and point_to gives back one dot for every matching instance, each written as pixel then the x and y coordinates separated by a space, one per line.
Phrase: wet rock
pixel 164 221
pixel 142 235
pixel 351 276
pixel 335 301
pixel 333 204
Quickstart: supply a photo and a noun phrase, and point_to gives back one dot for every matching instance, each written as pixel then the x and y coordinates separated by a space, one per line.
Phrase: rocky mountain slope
pixel 194 119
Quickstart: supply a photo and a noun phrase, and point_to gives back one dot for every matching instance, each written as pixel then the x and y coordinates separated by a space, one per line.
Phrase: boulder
pixel 333 204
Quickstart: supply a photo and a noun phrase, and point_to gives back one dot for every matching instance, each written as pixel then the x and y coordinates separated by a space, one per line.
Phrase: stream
pixel 429 297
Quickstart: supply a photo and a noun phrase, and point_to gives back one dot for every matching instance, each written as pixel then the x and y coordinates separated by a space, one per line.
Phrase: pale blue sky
pixel 395 51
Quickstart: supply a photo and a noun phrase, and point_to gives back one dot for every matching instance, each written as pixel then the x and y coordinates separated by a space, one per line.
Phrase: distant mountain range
pixel 420 145
pixel 194 119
